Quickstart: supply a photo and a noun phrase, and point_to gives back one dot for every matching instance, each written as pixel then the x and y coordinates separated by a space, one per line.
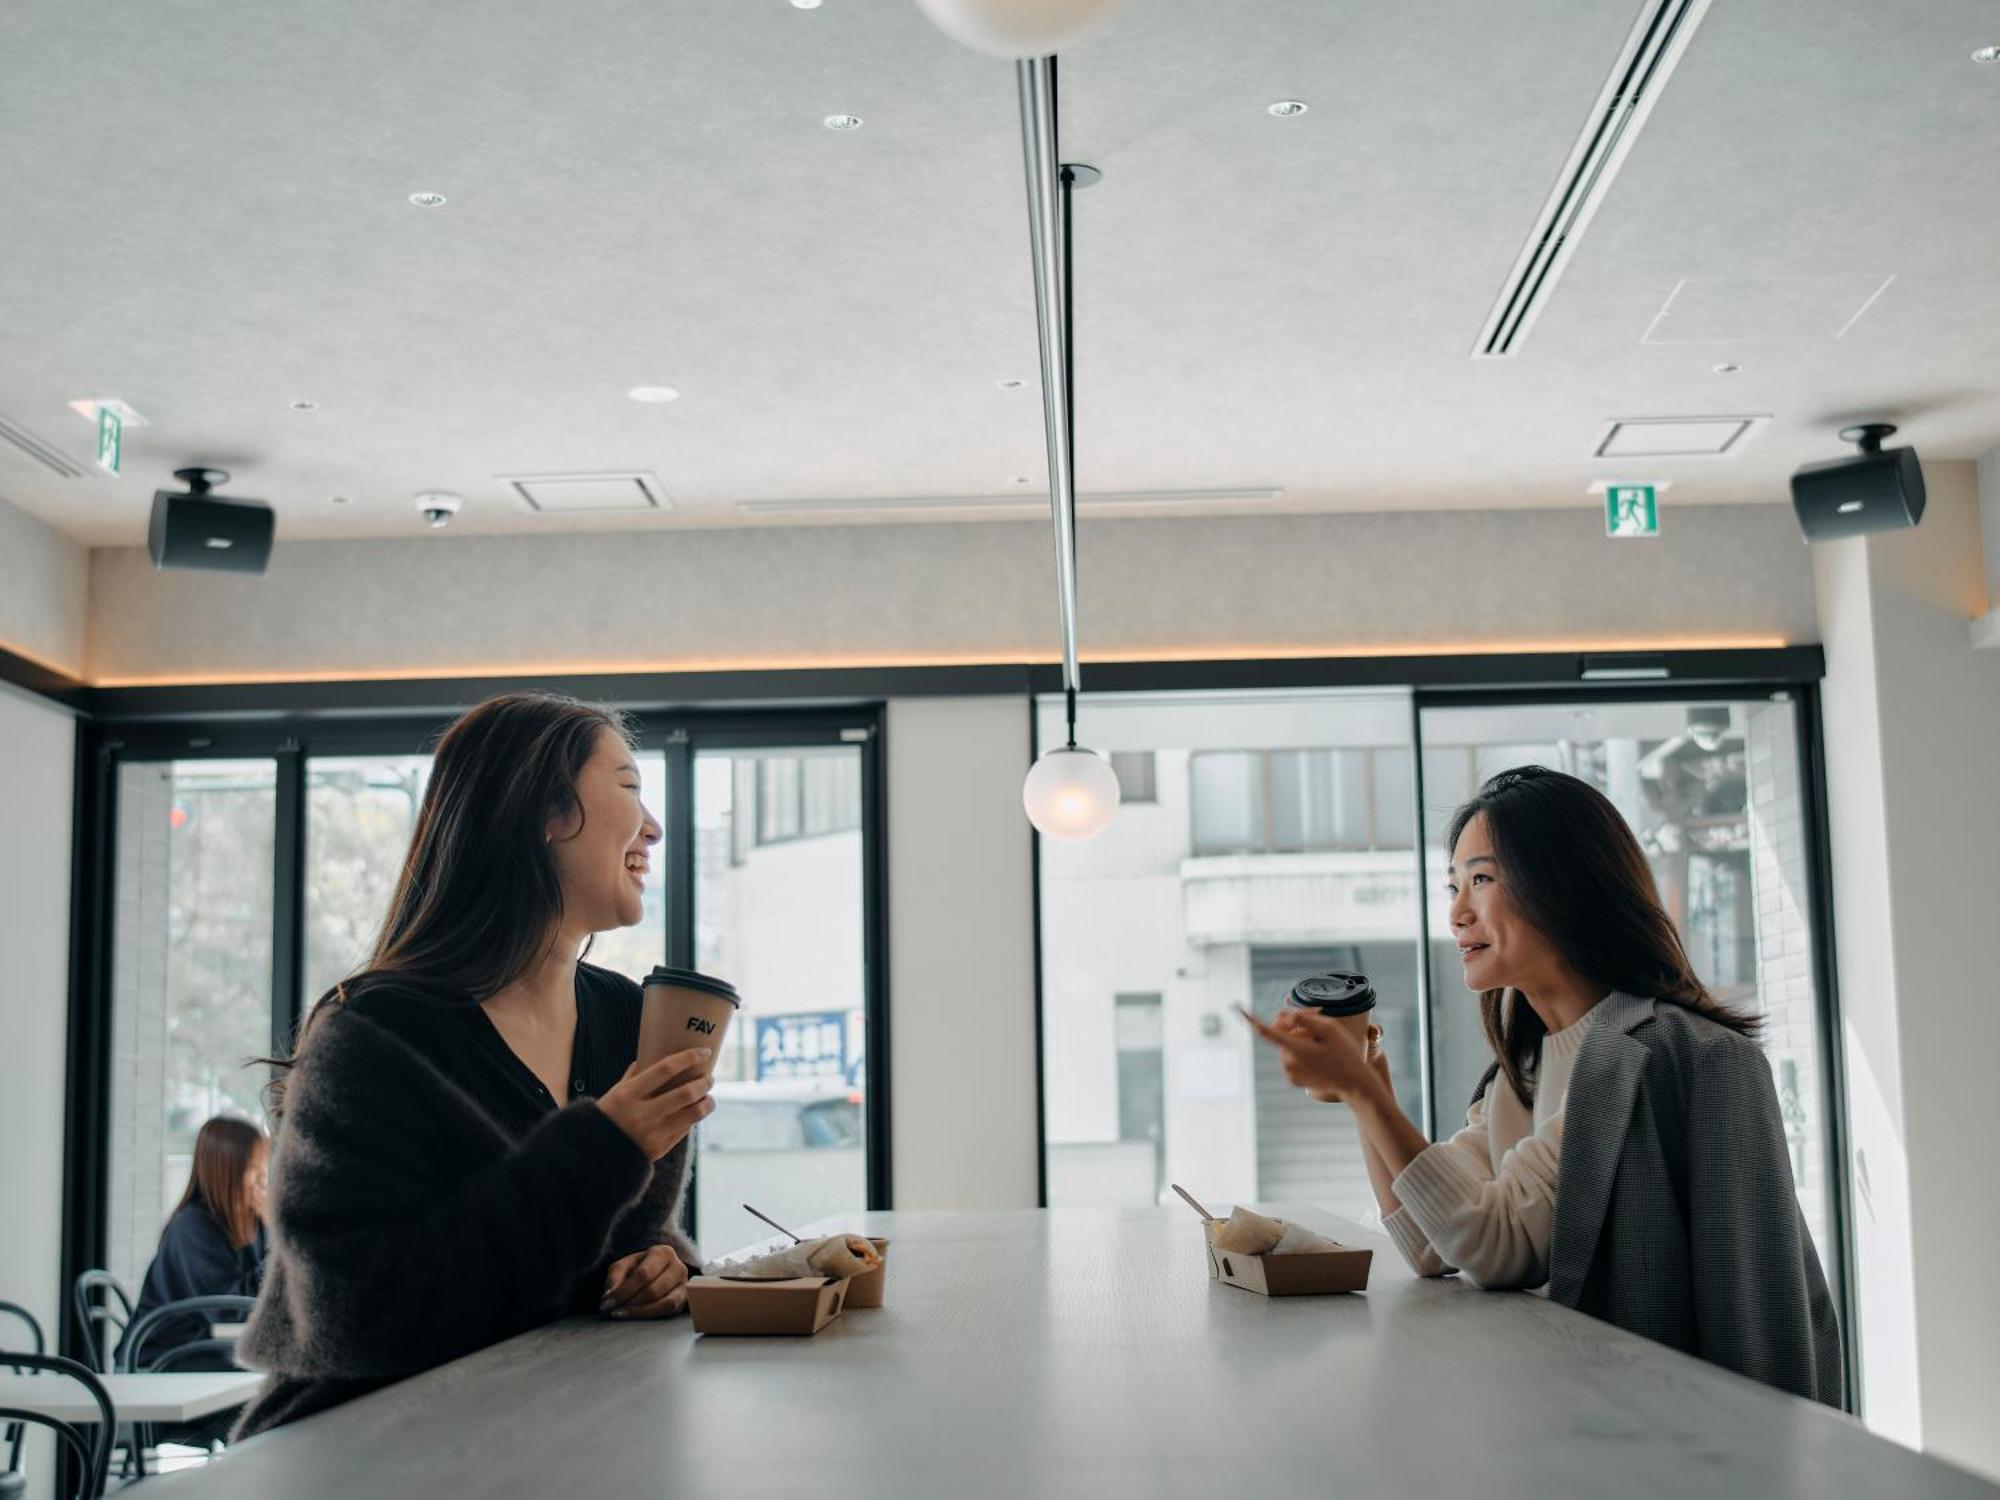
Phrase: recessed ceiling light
pixel 805 4
pixel 1011 385
pixel 305 406
pixel 1286 109
pixel 1987 54
pixel 654 393
pixel 1727 367
pixel 428 200
pixel 843 122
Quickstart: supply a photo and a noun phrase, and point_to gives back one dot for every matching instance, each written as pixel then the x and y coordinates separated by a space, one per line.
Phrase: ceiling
pixel 208 217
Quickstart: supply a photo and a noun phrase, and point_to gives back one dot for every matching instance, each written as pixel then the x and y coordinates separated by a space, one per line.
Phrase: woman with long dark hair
pixel 465 1148
pixel 213 1243
pixel 1625 1150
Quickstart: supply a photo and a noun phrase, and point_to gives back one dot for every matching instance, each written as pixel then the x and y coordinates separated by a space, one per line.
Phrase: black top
pixel 460 1040
pixel 195 1259
pixel 429 1197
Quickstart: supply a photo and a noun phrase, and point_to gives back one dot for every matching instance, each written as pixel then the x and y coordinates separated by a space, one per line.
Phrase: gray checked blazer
pixel 1675 1215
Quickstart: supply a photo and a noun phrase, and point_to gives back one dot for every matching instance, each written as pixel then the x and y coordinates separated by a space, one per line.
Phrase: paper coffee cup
pixel 683 1009
pixel 1343 995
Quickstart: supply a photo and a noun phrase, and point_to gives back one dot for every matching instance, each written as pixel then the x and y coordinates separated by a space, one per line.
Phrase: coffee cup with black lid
pixel 1343 996
pixel 684 1009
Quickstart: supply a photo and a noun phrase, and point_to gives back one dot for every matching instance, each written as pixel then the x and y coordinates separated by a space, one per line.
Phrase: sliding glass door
pixel 1714 790
pixel 780 911
pixel 1265 836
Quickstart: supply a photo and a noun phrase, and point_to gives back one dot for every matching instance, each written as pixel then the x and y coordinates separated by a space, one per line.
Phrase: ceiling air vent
pixel 1649 56
pixel 582 494
pixel 41 452
pixel 1676 437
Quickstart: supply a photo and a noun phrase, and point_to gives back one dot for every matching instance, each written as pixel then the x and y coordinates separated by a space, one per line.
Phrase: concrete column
pixel 1912 723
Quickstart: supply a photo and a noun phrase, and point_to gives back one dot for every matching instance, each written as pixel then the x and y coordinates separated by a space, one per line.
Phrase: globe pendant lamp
pixel 1017 29
pixel 1071 792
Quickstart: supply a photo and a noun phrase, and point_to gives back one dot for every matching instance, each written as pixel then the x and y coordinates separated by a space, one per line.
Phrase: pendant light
pixel 1071 792
pixel 1017 28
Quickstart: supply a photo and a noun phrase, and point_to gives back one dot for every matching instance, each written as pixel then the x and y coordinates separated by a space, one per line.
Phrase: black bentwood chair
pixel 11 1482
pixel 93 1454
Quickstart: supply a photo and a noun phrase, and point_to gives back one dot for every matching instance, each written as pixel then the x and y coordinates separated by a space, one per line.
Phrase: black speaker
pixel 206 532
pixel 1877 490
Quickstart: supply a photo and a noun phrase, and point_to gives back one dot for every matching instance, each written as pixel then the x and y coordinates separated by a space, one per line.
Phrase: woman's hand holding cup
pixel 658 1105
pixel 1323 1056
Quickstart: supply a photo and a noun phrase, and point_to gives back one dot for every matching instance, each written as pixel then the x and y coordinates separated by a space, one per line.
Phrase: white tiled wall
pixel 139 1050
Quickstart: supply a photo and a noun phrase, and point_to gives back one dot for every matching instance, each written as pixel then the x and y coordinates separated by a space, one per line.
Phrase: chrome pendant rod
pixel 1036 78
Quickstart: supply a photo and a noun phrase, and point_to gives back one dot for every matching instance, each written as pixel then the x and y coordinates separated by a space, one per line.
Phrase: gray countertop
pixel 1085 1353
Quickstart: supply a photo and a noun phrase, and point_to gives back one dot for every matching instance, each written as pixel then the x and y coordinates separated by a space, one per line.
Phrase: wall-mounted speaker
pixel 207 532
pixel 1880 489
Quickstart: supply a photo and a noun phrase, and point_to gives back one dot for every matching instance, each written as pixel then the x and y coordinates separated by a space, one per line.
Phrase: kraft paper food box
pixel 1308 1274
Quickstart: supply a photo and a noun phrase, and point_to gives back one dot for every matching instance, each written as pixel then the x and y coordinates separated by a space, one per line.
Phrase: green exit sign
pixel 110 439
pixel 1631 510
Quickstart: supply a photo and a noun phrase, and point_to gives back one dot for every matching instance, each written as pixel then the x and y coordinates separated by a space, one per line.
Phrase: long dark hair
pixel 223 1151
pixel 1577 875
pixel 478 901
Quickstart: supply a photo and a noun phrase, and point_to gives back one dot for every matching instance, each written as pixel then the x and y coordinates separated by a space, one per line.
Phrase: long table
pixel 176 1396
pixel 1085 1353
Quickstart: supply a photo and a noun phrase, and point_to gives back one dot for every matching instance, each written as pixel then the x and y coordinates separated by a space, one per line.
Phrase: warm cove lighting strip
pixel 1016 659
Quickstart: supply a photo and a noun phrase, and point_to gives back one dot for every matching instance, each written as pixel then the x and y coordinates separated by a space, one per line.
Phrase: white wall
pixel 1912 719
pixel 37 746
pixel 945 592
pixel 961 955
pixel 44 583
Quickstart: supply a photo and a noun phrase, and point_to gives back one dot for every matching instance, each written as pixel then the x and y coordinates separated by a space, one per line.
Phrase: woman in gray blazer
pixel 1625 1152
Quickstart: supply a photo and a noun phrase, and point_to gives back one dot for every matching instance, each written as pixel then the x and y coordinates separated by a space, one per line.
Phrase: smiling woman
pixel 1616 1075
pixel 465 1146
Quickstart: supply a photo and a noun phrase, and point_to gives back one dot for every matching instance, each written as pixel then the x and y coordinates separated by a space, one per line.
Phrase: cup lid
pixel 689 979
pixel 1340 993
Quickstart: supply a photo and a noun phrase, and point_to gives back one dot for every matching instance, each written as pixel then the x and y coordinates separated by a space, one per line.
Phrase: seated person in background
pixel 213 1244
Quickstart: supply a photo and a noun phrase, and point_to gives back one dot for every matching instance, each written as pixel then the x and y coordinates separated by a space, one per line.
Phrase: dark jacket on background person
pixel 1676 1215
pixel 429 1198
pixel 195 1259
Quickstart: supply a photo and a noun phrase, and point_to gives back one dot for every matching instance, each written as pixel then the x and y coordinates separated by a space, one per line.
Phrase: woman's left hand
pixel 1320 1055
pixel 650 1284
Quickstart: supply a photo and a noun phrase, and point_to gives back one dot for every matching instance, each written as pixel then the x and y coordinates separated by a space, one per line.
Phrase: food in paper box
pixel 1275 1258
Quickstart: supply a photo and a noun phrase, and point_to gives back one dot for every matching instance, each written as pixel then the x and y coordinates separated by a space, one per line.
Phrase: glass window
pixel 1226 801
pixel 780 915
pixel 360 813
pixel 1155 931
pixel 1134 770
pixel 191 979
pixel 1713 792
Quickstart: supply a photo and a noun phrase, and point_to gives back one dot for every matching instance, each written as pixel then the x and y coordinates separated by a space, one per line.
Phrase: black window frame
pixel 105 743
pixel 1793 673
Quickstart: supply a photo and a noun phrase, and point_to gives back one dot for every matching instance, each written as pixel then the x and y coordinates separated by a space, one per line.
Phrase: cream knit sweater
pixel 1482 1202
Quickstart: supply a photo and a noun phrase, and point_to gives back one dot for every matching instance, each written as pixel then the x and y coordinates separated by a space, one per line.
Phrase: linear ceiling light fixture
pixel 1657 42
